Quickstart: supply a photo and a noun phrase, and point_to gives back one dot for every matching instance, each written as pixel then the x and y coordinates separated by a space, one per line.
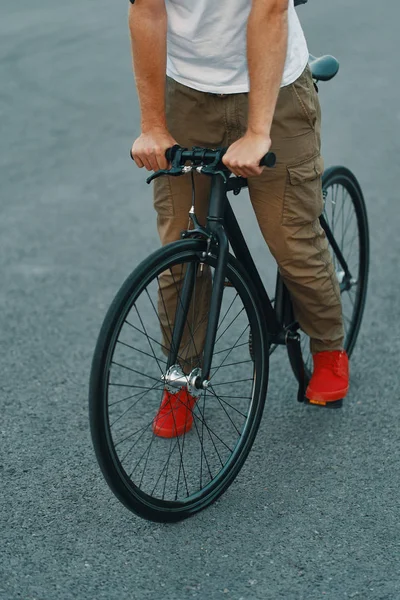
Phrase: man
pixel 238 76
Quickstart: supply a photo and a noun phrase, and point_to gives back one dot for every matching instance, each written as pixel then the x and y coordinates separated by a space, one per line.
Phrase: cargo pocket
pixel 303 194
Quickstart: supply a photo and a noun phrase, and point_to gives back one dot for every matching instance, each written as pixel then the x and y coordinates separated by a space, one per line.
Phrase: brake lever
pixel 211 168
pixel 176 168
pixel 174 172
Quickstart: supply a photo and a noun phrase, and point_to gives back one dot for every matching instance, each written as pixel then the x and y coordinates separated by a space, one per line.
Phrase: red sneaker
pixel 330 380
pixel 174 417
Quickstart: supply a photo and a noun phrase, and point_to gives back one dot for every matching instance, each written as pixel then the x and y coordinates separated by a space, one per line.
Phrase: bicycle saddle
pixel 323 68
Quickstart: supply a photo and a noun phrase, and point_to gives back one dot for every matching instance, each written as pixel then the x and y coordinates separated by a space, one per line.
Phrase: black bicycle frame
pixel 223 230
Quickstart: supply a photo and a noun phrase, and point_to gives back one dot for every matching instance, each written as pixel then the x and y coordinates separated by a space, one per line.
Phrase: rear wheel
pixel 170 479
pixel 346 216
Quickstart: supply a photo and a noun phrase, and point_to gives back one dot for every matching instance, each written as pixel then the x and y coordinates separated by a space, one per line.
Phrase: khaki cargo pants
pixel 287 201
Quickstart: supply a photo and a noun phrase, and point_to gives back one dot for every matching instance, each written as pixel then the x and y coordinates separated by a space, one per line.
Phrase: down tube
pixel 242 253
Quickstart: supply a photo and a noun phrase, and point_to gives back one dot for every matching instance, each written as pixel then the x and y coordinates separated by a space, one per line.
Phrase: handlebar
pixel 206 161
pixel 205 156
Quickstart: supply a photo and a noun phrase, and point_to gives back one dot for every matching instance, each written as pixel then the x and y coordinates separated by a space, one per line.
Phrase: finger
pixel 137 160
pixel 239 171
pixel 232 166
pixel 252 171
pixel 152 158
pixel 146 162
pixel 162 162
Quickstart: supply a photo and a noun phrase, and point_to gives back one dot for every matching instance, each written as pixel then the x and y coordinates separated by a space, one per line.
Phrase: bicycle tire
pixel 126 491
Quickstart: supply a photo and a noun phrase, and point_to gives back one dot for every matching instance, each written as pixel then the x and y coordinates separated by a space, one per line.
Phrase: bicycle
pixel 168 480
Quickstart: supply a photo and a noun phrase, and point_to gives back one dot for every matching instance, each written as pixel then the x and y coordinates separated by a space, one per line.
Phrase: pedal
pixel 322 404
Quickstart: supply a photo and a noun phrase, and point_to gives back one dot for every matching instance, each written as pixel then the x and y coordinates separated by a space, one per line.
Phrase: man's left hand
pixel 243 157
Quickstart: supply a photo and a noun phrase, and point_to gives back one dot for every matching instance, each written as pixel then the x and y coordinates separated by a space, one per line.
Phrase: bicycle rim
pixel 169 479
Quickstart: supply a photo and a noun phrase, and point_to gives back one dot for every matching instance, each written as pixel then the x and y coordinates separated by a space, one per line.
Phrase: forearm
pixel 267 35
pixel 148 28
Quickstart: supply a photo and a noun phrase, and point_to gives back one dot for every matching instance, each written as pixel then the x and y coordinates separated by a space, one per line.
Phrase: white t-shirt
pixel 207 45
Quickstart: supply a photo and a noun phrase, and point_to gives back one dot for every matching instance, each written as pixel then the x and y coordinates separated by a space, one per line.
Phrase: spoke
pixel 181 466
pixel 110 404
pixel 141 351
pixel 241 362
pixel 139 387
pixel 194 300
pixel 352 243
pixel 227 414
pixel 166 472
pixel 147 460
pixel 188 326
pixel 203 453
pixel 350 216
pixel 148 339
pixel 209 431
pixel 333 207
pixel 340 210
pixel 231 323
pixel 226 357
pixel 166 312
pixel 142 429
pixel 169 340
pixel 134 371
pixel 231 382
pixel 232 397
pixel 351 300
pixel 165 465
pixel 202 420
pixel 138 463
pixel 230 405
pixel 342 244
pixel 194 333
pixel 132 405
pixel 231 348
pixel 181 463
pixel 149 336
pixel 201 444
pixel 230 306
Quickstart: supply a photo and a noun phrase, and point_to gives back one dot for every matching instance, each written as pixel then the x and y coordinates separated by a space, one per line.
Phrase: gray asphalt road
pixel 315 512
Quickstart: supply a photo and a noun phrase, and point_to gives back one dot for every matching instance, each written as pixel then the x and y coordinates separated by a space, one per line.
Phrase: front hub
pixel 175 379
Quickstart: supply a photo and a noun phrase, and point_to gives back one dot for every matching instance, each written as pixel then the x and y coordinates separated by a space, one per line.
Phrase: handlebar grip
pixel 170 152
pixel 269 160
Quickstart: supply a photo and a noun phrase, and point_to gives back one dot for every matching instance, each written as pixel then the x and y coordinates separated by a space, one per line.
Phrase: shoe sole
pixel 326 399
pixel 331 404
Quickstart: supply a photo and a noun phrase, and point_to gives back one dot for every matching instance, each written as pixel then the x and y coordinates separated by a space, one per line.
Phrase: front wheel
pixel 346 215
pixel 169 479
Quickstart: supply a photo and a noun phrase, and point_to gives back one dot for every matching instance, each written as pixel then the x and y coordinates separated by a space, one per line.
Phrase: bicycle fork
pixel 199 378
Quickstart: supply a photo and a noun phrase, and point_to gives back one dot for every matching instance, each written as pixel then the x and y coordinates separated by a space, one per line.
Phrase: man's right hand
pixel 149 149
